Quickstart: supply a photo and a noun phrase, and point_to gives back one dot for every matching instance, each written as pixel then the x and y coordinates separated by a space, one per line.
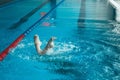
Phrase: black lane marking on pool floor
pixel 26 17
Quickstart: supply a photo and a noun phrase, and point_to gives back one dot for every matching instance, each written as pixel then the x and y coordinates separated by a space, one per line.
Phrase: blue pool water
pixel 87 45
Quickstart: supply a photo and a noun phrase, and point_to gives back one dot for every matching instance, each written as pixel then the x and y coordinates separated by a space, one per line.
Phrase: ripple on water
pixel 89 55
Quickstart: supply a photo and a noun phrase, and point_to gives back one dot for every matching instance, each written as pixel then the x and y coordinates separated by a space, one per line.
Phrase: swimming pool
pixel 87 45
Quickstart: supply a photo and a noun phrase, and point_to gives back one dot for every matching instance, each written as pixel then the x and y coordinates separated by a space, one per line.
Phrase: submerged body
pixel 38 44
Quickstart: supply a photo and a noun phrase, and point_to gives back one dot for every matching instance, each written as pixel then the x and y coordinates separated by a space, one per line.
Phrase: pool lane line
pixel 26 17
pixel 9 3
pixel 12 2
pixel 5 52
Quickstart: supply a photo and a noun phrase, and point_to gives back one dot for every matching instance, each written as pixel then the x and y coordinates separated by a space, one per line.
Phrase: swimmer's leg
pixel 38 44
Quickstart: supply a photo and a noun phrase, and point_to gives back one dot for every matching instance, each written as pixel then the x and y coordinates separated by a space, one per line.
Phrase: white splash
pixel 61 48
pixel 22 49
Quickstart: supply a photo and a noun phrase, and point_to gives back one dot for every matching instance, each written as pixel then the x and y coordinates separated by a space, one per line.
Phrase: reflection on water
pixel 96 10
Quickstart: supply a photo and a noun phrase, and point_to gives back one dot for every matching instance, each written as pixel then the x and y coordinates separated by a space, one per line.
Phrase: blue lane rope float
pixel 4 53
pixel 33 26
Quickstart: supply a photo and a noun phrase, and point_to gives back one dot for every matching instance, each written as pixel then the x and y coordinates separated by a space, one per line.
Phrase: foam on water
pixel 28 51
pixel 62 48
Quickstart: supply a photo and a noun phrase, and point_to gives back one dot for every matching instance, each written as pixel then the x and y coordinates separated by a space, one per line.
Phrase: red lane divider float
pixel 13 45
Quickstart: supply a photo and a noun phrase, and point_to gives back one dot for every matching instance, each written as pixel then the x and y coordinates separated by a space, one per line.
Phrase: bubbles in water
pixel 64 47
pixel 28 51
pixel 21 46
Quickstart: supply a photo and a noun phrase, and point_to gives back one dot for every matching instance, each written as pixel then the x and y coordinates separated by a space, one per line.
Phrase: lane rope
pixel 4 53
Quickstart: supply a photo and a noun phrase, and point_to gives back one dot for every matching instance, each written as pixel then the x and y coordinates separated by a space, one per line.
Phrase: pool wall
pixel 115 4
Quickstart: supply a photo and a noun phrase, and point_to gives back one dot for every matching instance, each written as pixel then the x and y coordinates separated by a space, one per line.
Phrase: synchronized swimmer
pixel 38 44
